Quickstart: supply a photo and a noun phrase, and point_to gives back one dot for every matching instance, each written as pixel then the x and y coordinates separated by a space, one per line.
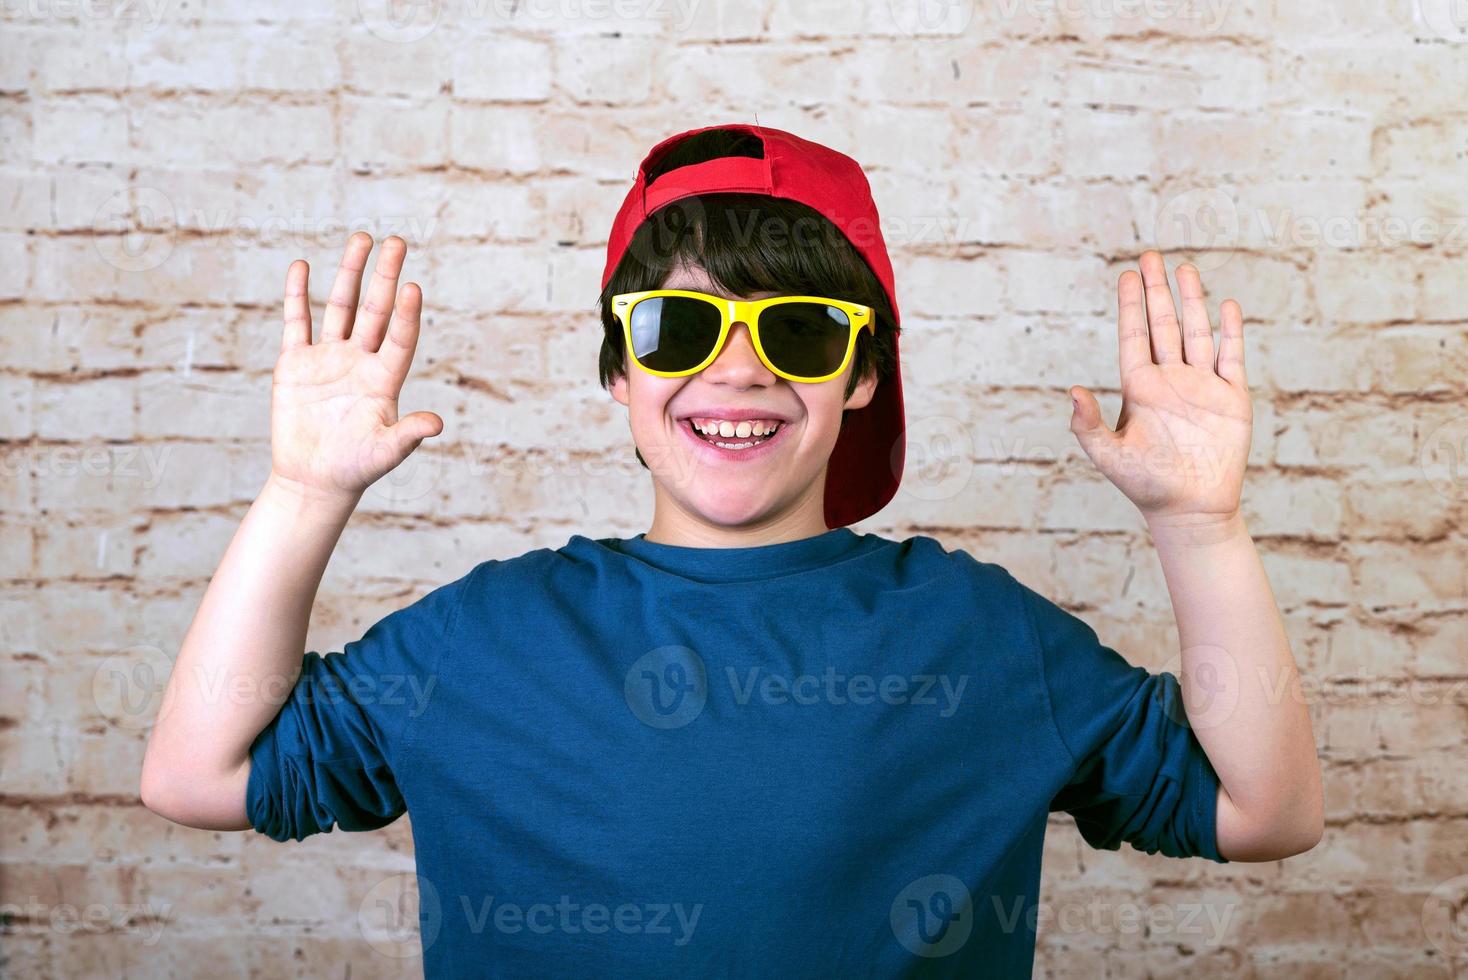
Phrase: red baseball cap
pixel 866 465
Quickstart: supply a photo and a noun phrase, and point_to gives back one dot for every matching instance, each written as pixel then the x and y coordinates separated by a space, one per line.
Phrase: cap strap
pixel 744 174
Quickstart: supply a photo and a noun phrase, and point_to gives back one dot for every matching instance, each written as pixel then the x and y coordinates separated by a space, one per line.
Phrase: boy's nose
pixel 738 363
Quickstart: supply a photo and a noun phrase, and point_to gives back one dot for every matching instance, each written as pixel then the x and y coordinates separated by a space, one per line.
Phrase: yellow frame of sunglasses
pixel 748 312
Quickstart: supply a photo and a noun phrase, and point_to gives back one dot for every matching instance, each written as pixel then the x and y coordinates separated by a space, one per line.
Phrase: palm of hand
pixel 334 425
pixel 332 405
pixel 1181 443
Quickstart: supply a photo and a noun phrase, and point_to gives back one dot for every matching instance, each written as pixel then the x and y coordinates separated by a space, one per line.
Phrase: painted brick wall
pixel 162 162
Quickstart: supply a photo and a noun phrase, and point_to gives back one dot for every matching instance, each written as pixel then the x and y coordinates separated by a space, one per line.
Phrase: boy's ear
pixel 862 394
pixel 619 389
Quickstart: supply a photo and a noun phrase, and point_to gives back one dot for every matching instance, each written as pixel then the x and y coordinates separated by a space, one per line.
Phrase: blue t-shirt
pixel 832 756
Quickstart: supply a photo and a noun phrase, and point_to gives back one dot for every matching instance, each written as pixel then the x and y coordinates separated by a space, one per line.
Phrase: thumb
pixel 410 430
pixel 1085 420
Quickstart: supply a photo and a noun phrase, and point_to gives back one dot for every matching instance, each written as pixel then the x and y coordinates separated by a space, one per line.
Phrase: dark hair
pixel 746 243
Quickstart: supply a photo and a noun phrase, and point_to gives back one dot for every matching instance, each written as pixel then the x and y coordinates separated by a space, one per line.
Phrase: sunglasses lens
pixel 674 333
pixel 805 339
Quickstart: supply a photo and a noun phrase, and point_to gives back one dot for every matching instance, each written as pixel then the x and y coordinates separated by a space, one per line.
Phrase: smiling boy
pixel 748 741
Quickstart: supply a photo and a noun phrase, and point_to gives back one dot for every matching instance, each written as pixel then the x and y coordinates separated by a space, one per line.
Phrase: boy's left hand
pixel 1181 443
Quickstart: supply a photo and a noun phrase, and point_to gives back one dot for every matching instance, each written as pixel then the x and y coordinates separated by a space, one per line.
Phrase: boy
pixel 749 741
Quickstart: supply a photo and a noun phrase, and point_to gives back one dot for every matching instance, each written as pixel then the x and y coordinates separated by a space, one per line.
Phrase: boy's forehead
pixel 695 278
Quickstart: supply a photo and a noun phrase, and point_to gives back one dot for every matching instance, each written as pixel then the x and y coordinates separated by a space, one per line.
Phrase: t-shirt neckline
pixel 727 564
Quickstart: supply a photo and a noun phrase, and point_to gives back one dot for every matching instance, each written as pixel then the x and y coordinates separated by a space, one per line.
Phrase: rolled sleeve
pixel 1139 773
pixel 320 764
pixel 332 755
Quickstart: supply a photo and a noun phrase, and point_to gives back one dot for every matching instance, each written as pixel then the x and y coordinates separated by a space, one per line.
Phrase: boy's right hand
pixel 334 426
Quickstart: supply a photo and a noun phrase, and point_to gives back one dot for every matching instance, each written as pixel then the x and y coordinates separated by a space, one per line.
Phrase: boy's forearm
pixel 1241 688
pixel 241 655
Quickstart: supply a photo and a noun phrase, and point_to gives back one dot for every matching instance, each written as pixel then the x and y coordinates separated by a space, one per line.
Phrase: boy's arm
pixel 1179 452
pixel 1241 690
pixel 334 430
pixel 240 657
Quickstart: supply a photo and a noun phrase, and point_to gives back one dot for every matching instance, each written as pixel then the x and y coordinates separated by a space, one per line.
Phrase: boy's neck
pixel 674 525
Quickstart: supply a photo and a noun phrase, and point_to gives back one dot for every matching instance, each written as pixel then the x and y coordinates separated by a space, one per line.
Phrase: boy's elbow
pixel 1298 840
pixel 1281 835
pixel 200 804
pixel 156 790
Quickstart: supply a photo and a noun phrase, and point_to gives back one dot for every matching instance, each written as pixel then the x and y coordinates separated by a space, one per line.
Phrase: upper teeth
pixel 727 429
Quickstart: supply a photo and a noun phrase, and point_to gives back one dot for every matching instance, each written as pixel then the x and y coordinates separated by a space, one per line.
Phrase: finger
pixel 402 337
pixel 297 330
pixel 377 307
pixel 410 430
pixel 1131 324
pixel 341 305
pixel 1161 316
pixel 1231 345
pixel 1088 425
pixel 1197 328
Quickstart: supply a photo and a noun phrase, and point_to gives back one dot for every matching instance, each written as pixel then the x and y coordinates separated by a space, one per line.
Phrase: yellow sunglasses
pixel 673 333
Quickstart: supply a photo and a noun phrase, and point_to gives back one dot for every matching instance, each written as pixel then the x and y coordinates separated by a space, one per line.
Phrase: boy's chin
pixel 733 513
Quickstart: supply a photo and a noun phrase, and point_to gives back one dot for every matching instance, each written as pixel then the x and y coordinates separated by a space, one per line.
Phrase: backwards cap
pixel 866 465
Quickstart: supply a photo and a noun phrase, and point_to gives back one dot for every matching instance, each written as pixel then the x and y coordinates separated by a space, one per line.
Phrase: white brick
pixel 394 132
pixel 502 140
pixel 502 69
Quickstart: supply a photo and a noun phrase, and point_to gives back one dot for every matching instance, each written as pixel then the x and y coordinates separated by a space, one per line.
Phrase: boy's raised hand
pixel 334 426
pixel 1182 438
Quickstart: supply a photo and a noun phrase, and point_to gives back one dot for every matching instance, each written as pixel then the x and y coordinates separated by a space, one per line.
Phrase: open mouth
pixel 735 445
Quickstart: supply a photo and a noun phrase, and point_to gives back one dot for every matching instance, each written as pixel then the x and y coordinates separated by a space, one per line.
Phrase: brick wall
pixel 162 162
